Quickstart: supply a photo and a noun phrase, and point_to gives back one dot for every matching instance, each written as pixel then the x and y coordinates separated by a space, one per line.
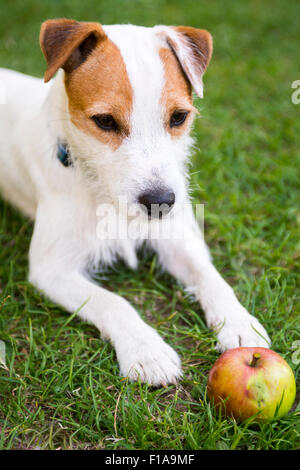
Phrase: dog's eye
pixel 105 122
pixel 178 118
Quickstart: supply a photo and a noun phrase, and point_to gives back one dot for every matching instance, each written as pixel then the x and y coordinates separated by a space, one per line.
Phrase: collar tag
pixel 63 154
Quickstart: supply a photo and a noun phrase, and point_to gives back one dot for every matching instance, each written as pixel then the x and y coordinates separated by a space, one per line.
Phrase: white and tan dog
pixel 114 122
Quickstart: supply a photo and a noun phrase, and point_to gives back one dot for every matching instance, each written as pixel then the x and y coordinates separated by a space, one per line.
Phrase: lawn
pixel 61 388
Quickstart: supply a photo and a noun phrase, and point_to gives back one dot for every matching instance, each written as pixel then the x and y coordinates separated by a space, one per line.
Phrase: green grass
pixel 62 388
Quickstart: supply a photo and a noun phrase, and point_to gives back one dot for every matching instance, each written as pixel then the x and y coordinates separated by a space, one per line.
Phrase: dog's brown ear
pixel 193 49
pixel 67 43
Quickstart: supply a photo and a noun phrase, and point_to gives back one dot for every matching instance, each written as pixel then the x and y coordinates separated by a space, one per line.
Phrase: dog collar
pixel 63 154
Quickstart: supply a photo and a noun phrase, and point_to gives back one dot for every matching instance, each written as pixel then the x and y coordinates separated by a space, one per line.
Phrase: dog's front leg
pixel 189 261
pixel 56 268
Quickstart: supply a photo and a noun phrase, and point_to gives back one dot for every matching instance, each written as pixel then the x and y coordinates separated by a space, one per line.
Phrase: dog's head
pixel 129 92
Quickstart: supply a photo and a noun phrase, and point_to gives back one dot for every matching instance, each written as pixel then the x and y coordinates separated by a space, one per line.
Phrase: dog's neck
pixel 56 106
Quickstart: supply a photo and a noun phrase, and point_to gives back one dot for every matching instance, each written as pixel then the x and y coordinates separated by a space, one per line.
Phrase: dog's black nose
pixel 157 203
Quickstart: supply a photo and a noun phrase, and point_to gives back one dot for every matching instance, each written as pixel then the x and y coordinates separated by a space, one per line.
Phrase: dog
pixel 114 122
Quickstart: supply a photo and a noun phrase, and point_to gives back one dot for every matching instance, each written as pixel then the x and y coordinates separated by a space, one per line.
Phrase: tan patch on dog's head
pixel 101 86
pixel 177 93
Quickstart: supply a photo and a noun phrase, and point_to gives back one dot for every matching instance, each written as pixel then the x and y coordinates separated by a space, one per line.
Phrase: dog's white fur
pixel 63 201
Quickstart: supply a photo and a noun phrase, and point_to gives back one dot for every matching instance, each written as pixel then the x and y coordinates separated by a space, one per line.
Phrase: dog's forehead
pixel 139 47
pixel 157 81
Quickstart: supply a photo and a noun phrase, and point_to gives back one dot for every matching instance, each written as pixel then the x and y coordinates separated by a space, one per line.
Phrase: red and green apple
pixel 252 381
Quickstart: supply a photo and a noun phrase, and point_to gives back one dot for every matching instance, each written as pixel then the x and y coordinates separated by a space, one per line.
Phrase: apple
pixel 252 381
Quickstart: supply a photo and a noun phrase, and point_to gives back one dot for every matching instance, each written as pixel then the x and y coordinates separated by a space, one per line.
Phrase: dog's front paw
pixel 241 330
pixel 147 357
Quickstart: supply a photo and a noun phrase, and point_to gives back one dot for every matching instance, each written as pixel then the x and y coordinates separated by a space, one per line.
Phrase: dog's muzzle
pixel 157 203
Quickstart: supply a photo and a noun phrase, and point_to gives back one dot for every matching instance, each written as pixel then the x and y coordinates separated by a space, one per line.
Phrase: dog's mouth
pixel 156 211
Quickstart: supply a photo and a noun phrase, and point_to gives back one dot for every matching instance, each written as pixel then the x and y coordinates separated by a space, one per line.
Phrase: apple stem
pixel 255 358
